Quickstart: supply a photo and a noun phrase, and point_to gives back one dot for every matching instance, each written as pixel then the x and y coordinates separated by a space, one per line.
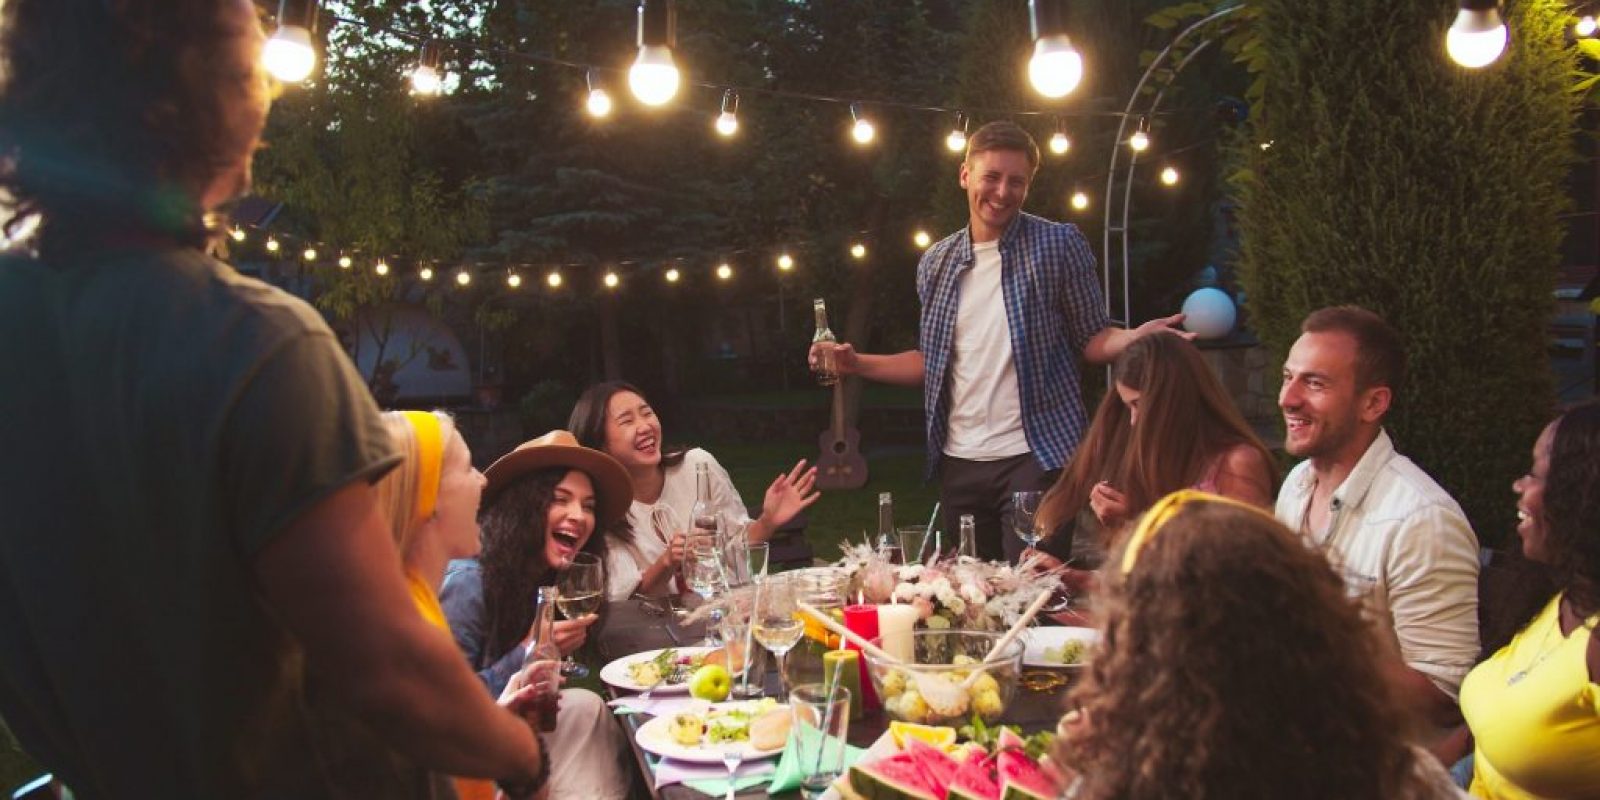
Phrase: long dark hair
pixel 588 420
pixel 1572 505
pixel 1232 664
pixel 1186 423
pixel 513 525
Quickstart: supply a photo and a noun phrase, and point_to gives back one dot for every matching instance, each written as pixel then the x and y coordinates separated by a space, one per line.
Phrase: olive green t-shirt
pixel 162 418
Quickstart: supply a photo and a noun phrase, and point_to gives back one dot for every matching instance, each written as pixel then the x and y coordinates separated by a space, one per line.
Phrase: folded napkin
pixel 787 774
pixel 712 779
pixel 656 706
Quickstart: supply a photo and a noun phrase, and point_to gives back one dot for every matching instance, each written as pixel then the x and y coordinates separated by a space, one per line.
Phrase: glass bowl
pixel 929 692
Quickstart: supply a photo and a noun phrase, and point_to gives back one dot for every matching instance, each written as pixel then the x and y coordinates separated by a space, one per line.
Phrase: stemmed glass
pixel 581 586
pixel 1024 507
pixel 776 623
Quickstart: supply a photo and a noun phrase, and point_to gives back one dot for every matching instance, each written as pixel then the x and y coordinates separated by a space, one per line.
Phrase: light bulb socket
pixel 590 80
pixel 730 102
pixel 431 55
pixel 658 23
pixel 1047 18
pixel 855 112
pixel 298 13
pixel 1475 17
pixel 962 123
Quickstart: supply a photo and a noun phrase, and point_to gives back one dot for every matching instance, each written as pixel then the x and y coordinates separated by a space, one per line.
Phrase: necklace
pixel 1545 649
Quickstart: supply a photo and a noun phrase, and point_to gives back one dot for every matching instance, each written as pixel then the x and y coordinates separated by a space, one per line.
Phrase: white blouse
pixel 654 523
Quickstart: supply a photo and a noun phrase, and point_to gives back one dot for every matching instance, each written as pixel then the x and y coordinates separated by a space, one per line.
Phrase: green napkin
pixel 718 787
pixel 787 775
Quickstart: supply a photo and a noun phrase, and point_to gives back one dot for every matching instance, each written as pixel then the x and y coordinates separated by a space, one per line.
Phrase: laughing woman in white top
pixel 615 418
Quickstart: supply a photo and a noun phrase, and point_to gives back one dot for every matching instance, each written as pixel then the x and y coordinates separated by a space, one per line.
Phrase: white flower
pixel 955 604
pixel 910 572
pixel 972 594
pixel 904 592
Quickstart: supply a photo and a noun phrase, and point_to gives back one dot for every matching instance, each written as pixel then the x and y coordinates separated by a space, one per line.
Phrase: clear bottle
pixel 969 537
pixel 888 543
pixel 827 371
pixel 702 516
pixel 545 657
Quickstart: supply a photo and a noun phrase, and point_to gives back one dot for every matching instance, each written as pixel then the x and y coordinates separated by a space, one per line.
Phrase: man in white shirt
pixel 1401 542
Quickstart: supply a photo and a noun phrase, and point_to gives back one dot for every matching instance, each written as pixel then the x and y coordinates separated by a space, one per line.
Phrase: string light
pixel 425 76
pixel 272 244
pixel 1080 201
pixel 1585 27
pixel 1169 176
pixel 1056 67
pixel 728 120
pixel 310 254
pixel 862 131
pixel 426 273
pixel 599 102
pixel 382 268
pixel 957 140
pixel 1059 143
pixel 611 280
pixel 1140 140
pixel 654 77
pixel 1478 35
pixel 554 278
pixel 921 239
pixel 724 272
pixel 288 54
pixel 463 278
pixel 672 275
pixel 344 262
pixel 237 233
pixel 785 262
pixel 858 251
pixel 514 280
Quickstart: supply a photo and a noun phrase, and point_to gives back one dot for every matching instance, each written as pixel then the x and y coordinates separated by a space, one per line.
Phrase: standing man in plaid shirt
pixel 1009 303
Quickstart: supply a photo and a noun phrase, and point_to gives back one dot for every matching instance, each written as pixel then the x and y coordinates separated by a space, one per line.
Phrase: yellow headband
pixel 1162 512
pixel 430 458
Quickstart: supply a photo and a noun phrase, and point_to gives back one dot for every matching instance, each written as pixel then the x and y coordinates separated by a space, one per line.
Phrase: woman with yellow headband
pixel 1231 664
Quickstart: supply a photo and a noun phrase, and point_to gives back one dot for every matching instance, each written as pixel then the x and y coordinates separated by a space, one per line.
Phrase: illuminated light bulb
pixel 611 280
pixel 1478 35
pixel 237 233
pixel 1585 27
pixel 426 273
pixel 922 239
pixel 514 280
pixel 1139 141
pixel 599 103
pixel 672 275
pixel 345 262
pixel 957 140
pixel 1169 176
pixel 463 278
pixel 288 54
pixel 728 120
pixel 426 80
pixel 382 268
pixel 724 272
pixel 310 254
pixel 554 280
pixel 862 131
pixel 1267 145
pixel 1080 201
pixel 858 250
pixel 785 262
pixel 1059 143
pixel 1056 67
pixel 272 245
pixel 653 76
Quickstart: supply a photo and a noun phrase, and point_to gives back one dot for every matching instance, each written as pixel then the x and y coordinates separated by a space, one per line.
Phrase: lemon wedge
pixel 938 736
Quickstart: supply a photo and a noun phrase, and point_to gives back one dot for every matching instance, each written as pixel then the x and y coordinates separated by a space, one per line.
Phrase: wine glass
pixel 757 555
pixel 582 585
pixel 1024 507
pixel 776 624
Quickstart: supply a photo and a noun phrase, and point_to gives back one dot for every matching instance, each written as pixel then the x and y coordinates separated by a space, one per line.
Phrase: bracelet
pixel 530 787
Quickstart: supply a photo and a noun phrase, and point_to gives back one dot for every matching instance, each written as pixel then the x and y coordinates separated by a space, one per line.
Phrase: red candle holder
pixel 862 620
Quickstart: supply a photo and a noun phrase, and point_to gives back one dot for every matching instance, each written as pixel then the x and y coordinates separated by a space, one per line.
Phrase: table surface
pixel 630 628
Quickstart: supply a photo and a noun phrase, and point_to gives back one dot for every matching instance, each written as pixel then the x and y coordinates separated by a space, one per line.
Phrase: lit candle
pixel 895 624
pixel 862 620
pixel 845 666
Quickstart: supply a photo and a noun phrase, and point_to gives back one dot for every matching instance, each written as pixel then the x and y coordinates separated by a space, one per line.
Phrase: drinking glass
pixel 750 660
pixel 1024 507
pixel 821 726
pixel 916 545
pixel 756 556
pixel 777 624
pixel 736 553
pixel 582 586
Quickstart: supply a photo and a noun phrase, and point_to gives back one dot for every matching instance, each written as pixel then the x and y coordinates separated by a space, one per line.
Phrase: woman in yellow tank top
pixel 1534 706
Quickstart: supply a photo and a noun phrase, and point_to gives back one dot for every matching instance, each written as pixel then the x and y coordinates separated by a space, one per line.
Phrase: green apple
pixel 711 682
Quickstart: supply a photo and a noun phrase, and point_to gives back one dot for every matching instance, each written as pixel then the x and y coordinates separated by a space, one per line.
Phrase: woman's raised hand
pixel 1110 506
pixel 790 494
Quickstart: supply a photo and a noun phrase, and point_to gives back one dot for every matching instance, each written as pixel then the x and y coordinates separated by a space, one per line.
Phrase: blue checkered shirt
pixel 1053 307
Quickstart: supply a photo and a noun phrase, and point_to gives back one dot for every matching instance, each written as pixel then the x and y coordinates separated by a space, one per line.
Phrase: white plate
pixel 616 673
pixel 1035 640
pixel 654 738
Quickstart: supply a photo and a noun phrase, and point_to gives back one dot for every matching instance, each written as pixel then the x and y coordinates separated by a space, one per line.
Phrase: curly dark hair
pixel 1572 505
pixel 122 113
pixel 513 525
pixel 1233 665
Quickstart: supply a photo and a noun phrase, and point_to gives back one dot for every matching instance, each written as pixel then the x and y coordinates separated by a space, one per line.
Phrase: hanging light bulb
pixel 785 262
pixel 599 102
pixel 724 271
pixel 344 262
pixel 426 273
pixel 426 79
pixel 1169 176
pixel 728 120
pixel 921 239
pixel 553 279
pixel 514 280
pixel 956 142
pixel 382 268
pixel 272 244
pixel 672 275
pixel 1140 140
pixel 1478 36
pixel 237 233
pixel 862 131
pixel 1059 143
pixel 463 278
pixel 1585 27
pixel 1080 201
pixel 654 77
pixel 309 254
pixel 1056 67
pixel 288 54
pixel 611 280
pixel 858 251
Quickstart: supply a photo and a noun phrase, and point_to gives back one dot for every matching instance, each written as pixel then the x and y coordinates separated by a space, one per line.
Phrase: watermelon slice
pixel 1009 740
pixel 892 778
pixel 1021 778
pixel 975 780
pixel 937 766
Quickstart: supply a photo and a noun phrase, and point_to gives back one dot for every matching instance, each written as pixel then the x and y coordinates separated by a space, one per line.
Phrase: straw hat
pixel 613 488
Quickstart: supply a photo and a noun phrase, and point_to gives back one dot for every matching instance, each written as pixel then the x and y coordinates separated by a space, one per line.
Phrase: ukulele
pixel 840 466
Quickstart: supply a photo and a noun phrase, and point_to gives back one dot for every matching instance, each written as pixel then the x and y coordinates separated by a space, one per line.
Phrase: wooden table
pixel 630 628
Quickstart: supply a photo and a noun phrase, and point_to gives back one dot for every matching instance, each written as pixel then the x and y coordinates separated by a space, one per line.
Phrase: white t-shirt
pixel 985 422
pixel 654 523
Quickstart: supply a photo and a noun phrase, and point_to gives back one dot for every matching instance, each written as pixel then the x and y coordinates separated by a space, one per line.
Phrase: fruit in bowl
pixel 935 690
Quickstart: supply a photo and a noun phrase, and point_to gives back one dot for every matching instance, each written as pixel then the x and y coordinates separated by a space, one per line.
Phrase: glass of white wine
pixel 582 586
pixel 776 624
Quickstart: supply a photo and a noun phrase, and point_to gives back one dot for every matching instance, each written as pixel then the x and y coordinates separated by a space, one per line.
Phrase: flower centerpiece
pixel 949 592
